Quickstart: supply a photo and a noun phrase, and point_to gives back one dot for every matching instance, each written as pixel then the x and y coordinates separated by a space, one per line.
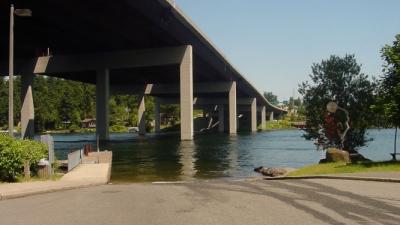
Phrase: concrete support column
pixel 271 116
pixel 232 109
pixel 186 94
pixel 263 117
pixel 254 115
pixel 221 125
pixel 27 108
pixel 157 118
pixel 141 115
pixel 102 105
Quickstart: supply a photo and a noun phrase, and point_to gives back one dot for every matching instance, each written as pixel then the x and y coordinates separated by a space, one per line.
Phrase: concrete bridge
pixel 129 47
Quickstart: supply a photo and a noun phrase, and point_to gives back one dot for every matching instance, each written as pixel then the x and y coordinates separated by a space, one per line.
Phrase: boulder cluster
pixel 271 172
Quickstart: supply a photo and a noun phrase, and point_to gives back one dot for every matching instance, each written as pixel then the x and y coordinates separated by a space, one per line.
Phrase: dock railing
pixel 74 159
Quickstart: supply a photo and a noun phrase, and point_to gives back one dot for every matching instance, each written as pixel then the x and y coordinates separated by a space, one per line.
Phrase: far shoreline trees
pixel 271 98
pixel 62 104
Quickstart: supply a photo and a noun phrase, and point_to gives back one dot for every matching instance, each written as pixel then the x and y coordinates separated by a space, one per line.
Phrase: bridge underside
pixel 130 47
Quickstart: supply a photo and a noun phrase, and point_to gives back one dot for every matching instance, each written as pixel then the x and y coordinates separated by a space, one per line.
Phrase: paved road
pixel 212 202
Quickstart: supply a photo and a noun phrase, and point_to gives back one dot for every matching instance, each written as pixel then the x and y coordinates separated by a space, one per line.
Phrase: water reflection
pixel 211 156
pixel 146 159
pixel 187 160
pixel 233 157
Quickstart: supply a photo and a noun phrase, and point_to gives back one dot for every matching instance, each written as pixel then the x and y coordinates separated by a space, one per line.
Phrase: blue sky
pixel 274 43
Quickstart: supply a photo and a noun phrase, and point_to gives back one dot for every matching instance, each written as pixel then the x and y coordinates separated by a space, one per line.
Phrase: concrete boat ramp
pixel 94 170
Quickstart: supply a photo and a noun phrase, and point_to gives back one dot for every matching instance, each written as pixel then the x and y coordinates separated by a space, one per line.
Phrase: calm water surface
pixel 165 158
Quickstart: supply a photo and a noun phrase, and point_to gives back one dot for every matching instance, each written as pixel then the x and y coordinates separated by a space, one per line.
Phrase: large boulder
pixel 337 155
pixel 271 172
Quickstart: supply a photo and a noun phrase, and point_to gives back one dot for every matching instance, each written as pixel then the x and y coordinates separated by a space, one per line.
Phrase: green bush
pixel 118 129
pixel 14 152
pixel 74 128
pixel 280 124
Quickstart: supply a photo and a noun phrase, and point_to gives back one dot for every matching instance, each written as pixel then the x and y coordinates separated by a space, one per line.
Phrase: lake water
pixel 165 158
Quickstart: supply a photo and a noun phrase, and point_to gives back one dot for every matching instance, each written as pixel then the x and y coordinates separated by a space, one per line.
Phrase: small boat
pixel 133 129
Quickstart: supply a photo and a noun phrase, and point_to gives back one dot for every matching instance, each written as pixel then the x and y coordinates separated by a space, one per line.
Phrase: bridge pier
pixel 263 117
pixel 271 116
pixel 157 118
pixel 254 115
pixel 232 109
pixel 27 107
pixel 102 106
pixel 141 115
pixel 186 94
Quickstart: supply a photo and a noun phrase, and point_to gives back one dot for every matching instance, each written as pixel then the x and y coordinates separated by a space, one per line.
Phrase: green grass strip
pixel 335 168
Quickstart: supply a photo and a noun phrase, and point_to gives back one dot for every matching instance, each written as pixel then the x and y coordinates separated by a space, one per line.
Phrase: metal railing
pixel 74 159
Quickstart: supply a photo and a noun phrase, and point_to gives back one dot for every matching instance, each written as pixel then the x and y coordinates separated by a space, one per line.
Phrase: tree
pixel 118 111
pixel 340 80
pixel 293 103
pixel 89 101
pixel 3 102
pixel 388 102
pixel 273 99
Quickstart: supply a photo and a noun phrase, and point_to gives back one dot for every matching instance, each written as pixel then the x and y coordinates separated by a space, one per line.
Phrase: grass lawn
pixel 333 168
pixel 278 125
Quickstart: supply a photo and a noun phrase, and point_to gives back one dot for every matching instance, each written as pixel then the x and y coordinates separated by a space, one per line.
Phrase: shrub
pixel 74 128
pixel 280 124
pixel 14 152
pixel 118 129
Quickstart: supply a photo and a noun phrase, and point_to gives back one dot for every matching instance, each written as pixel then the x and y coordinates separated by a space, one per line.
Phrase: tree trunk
pixel 27 169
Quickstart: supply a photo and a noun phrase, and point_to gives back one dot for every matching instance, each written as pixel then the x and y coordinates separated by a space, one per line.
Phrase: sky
pixel 273 43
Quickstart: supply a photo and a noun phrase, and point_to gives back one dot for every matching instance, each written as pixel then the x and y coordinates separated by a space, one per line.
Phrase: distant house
pixel 88 123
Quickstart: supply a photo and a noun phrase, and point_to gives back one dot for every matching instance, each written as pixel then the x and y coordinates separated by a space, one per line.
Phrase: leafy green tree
pixel 118 111
pixel 171 113
pixel 89 101
pixel 273 99
pixel 71 102
pixel 340 80
pixel 3 102
pixel 388 101
pixel 46 103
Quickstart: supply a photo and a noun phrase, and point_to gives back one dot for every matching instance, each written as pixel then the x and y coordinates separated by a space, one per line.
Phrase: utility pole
pixel 11 76
pixel 22 13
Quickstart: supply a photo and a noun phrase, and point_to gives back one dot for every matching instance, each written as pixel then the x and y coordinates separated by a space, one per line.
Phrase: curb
pixel 376 179
pixel 45 191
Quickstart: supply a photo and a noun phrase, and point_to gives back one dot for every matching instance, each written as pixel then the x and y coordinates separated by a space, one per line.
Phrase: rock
pixel 337 155
pixel 271 172
pixel 357 157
